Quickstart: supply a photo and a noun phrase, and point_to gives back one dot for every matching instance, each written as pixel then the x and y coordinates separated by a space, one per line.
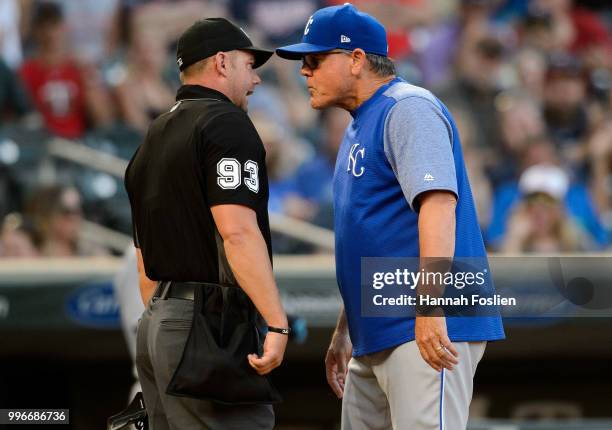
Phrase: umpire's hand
pixel 336 361
pixel 273 353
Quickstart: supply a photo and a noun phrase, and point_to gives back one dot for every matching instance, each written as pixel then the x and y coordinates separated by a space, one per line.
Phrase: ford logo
pixel 94 306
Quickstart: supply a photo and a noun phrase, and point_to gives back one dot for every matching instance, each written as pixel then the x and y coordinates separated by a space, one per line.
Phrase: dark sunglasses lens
pixel 310 62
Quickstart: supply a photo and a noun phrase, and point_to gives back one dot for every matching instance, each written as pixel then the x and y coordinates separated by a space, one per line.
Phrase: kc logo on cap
pixel 307 28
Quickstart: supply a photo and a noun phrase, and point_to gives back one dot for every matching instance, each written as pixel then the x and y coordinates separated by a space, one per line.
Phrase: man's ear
pixel 222 61
pixel 358 61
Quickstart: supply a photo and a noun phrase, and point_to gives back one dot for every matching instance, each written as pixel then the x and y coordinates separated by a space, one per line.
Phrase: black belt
pixel 182 290
pixel 186 291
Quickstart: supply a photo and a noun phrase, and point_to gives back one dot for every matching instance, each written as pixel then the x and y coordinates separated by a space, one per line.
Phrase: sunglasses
pixel 312 62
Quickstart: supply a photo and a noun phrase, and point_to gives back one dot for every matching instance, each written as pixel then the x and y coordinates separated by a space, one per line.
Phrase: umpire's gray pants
pixel 396 389
pixel 162 334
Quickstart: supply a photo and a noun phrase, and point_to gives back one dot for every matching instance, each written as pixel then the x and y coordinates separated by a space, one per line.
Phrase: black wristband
pixel 284 331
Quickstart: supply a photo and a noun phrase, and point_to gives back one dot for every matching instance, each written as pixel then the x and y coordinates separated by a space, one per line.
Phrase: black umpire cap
pixel 211 35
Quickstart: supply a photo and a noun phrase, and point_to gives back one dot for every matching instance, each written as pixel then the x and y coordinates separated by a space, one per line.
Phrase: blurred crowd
pixel 528 81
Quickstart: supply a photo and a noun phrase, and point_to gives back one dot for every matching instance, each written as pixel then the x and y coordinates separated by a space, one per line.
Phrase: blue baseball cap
pixel 339 27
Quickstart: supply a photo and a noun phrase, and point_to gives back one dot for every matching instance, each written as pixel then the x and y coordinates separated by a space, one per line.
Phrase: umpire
pixel 198 190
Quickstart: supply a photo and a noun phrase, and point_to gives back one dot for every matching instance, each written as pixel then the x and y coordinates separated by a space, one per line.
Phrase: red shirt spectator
pixel 590 31
pixel 58 93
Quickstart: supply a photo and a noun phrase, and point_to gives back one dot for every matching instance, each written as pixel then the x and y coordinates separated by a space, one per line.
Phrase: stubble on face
pixel 242 77
pixel 328 84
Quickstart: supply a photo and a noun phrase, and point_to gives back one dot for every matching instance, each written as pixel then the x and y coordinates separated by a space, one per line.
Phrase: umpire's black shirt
pixel 205 151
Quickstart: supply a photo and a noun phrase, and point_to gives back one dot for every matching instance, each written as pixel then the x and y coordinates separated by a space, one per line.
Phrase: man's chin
pixel 316 104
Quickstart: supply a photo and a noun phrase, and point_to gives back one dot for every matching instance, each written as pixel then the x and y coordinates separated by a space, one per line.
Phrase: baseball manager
pixel 400 190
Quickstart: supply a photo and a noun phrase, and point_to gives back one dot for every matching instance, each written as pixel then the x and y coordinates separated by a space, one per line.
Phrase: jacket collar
pixel 199 92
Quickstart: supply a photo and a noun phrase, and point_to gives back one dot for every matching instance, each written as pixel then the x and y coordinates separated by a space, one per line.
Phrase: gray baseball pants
pixel 396 389
pixel 162 334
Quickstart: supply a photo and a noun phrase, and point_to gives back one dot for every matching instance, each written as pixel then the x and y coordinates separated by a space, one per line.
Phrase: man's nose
pixel 256 79
pixel 305 71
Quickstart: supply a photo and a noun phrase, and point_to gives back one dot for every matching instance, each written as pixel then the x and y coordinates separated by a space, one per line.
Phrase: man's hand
pixel 247 255
pixel 273 353
pixel 436 240
pixel 434 344
pixel 336 361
